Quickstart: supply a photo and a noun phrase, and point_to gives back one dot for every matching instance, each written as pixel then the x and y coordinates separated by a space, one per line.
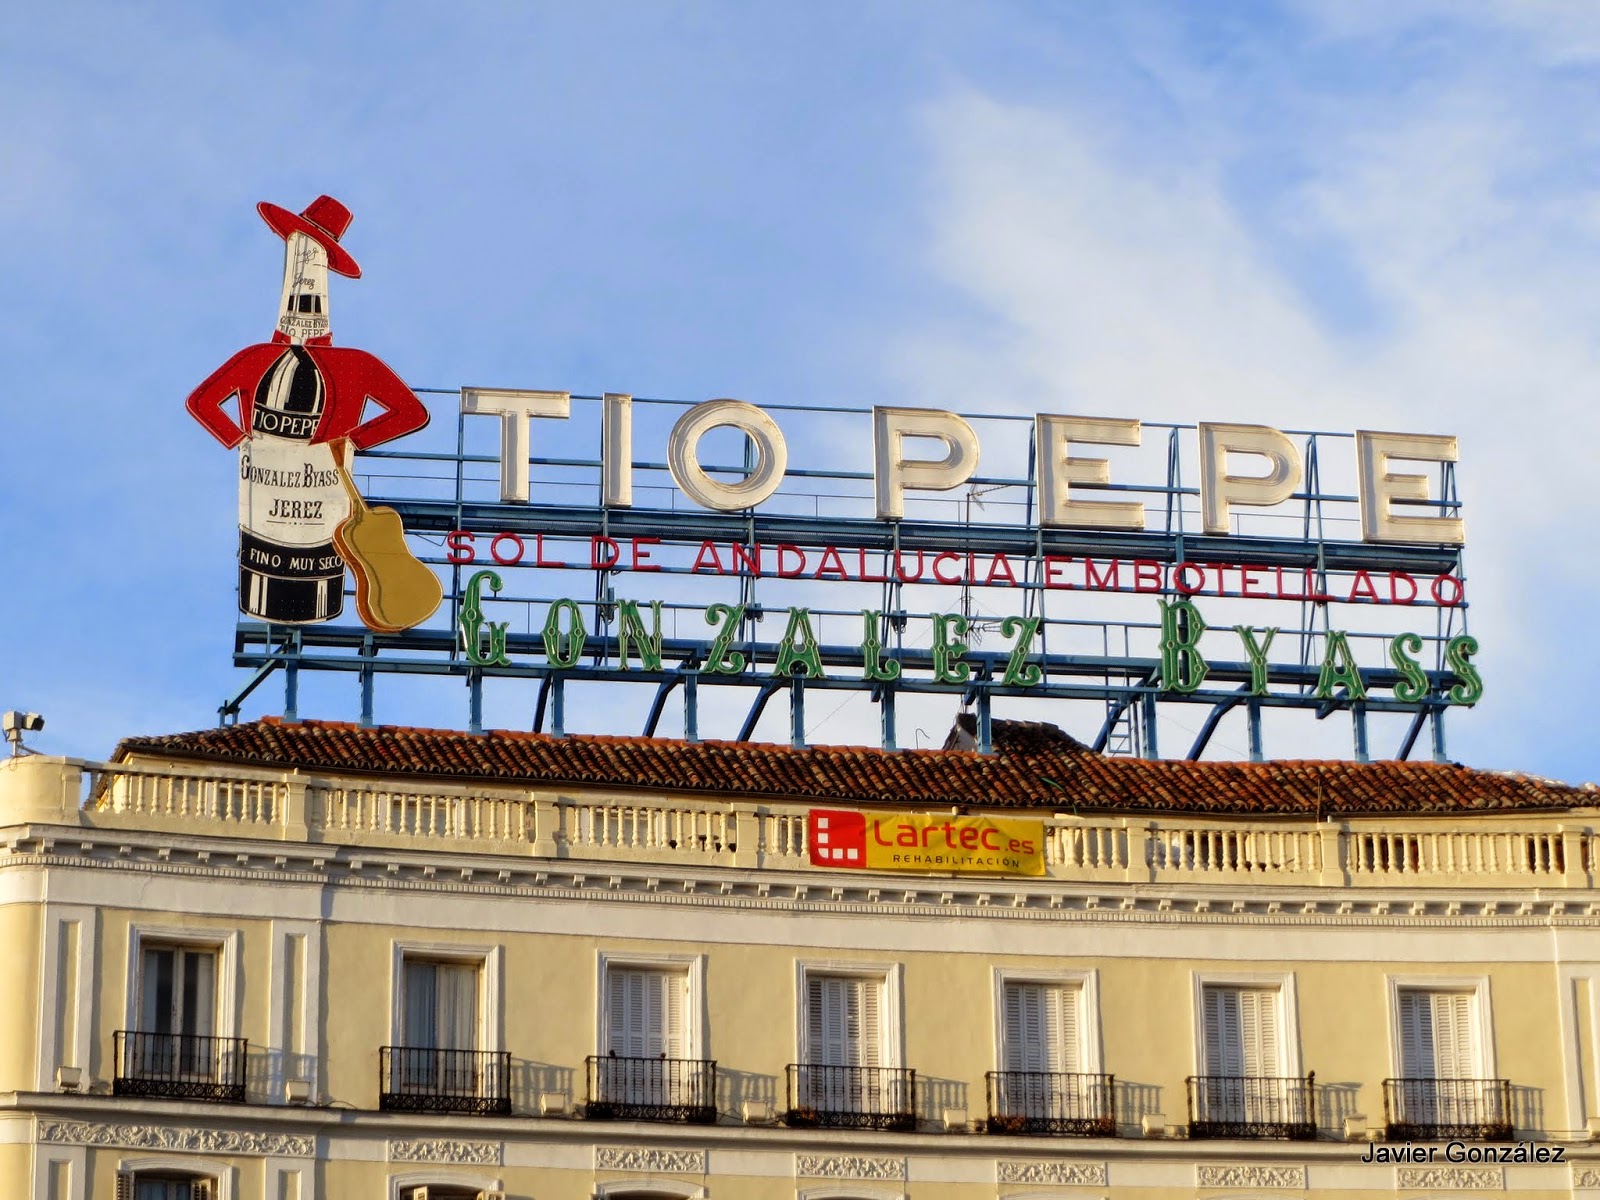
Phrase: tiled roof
pixel 1034 766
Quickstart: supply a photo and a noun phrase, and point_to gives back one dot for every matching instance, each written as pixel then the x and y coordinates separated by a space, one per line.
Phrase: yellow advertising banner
pixel 925 842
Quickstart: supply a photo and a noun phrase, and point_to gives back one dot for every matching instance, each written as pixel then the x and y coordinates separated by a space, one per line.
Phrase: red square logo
pixel 837 838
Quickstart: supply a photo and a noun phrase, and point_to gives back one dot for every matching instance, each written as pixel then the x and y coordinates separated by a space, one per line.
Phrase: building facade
pixel 313 961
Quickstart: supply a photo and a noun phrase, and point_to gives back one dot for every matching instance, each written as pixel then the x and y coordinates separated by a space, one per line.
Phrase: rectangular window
pixel 178 991
pixel 1042 1027
pixel 645 1012
pixel 1242 1032
pixel 441 1005
pixel 1443 1090
pixel 844 1021
pixel 438 1055
pixel 1436 1035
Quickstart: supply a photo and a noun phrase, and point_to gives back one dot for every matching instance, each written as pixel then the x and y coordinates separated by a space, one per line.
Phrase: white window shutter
pixel 816 1020
pixel 1258 1023
pixel 1224 1032
pixel 1067 1044
pixel 870 1035
pixel 202 1189
pixel 616 1012
pixel 844 1021
pixel 675 988
pixel 124 1185
pixel 1416 1036
pixel 1013 1031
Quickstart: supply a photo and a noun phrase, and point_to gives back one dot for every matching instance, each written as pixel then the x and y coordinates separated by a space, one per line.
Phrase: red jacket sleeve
pixel 238 376
pixel 354 377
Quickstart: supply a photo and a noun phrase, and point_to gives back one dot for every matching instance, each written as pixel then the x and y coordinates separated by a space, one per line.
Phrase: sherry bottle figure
pixel 299 396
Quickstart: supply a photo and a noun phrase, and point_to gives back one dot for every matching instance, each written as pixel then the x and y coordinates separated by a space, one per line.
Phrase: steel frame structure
pixel 1121 679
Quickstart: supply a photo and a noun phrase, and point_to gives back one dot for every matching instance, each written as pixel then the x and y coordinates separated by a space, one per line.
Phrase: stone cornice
pixel 384 1129
pixel 773 889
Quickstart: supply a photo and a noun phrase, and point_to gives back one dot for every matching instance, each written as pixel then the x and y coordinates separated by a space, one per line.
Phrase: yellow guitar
pixel 393 590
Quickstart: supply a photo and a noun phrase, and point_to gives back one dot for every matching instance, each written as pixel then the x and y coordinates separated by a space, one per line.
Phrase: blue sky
pixel 1329 215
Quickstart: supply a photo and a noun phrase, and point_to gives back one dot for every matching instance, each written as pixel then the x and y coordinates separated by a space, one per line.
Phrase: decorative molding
pixel 1585 1177
pixel 1480 1179
pixel 176 1138
pixel 446 1150
pixel 1249 1175
pixel 1054 900
pixel 645 1158
pixel 1054 1171
pixel 849 1166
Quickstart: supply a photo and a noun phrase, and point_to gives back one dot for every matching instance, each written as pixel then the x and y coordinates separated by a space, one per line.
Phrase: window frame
pixel 221 1174
pixel 890 976
pixel 490 962
pixel 1283 982
pixel 1087 982
pixel 399 1184
pixel 224 943
pixel 1477 986
pixel 693 966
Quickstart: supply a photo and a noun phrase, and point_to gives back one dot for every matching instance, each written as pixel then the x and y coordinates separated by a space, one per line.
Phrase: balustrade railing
pixel 179 1066
pixel 829 1097
pixel 1051 1102
pixel 651 1089
pixel 1384 852
pixel 433 1079
pixel 1421 1110
pixel 1252 1106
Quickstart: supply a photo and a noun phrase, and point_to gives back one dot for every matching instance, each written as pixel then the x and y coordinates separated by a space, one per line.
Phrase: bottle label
pixel 289 492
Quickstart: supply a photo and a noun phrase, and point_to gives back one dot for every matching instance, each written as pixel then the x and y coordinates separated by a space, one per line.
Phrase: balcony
pixel 822 1097
pixel 1252 1106
pixel 1051 1102
pixel 1523 850
pixel 652 1089
pixel 179 1066
pixel 429 1079
pixel 1423 1110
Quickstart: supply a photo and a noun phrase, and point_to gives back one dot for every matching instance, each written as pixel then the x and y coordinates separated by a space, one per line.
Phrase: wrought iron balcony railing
pixel 652 1089
pixel 431 1079
pixel 179 1066
pixel 1427 1109
pixel 825 1097
pixel 1051 1102
pixel 1252 1106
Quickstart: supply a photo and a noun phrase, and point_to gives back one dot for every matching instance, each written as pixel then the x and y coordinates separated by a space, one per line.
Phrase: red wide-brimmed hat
pixel 323 221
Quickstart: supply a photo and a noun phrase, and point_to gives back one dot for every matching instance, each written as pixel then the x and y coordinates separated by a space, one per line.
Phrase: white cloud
pixel 1115 285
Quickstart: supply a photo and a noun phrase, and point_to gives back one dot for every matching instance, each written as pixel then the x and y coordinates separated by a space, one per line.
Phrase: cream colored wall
pixel 19 996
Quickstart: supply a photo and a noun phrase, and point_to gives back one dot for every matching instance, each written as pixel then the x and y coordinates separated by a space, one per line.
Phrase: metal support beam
pixel 1439 754
pixel 1358 723
pixel 1412 733
pixel 1150 748
pixel 886 705
pixel 228 710
pixel 1218 711
pixel 542 703
pixel 475 702
pixel 367 652
pixel 663 690
pixel 985 723
pixel 797 711
pixel 1113 715
pixel 1257 754
pixel 691 704
pixel 558 703
pixel 757 707
pixel 291 691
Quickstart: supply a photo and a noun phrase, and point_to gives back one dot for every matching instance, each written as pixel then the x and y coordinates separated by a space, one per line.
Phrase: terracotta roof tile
pixel 1034 766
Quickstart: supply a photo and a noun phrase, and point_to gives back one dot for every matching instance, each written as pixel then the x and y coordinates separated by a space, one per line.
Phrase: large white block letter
pixel 893 472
